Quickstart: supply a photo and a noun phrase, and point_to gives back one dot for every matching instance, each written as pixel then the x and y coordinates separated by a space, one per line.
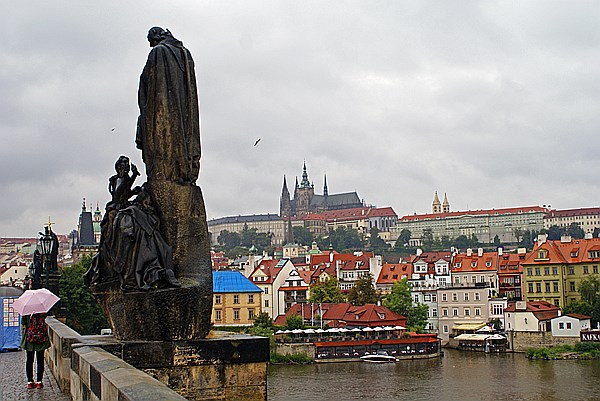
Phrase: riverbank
pixel 583 351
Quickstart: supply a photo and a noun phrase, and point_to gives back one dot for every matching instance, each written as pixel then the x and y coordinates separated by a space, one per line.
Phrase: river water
pixel 455 376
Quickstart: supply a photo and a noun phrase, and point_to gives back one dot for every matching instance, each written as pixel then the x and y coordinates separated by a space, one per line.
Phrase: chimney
pixel 469 252
pixel 542 238
pixel 589 236
pixel 480 252
pixel 331 256
pixel 419 251
pixel 521 305
pixel 500 251
pixel 521 251
pixel 565 239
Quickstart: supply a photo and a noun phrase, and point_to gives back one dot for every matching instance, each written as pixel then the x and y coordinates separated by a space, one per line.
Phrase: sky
pixel 495 103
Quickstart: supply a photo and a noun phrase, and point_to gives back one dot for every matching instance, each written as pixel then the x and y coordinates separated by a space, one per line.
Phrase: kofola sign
pixel 593 336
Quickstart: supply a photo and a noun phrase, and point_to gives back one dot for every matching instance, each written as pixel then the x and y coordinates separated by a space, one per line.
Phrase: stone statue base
pixel 158 315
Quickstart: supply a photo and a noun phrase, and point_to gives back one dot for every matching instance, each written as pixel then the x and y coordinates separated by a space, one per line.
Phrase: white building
pixel 570 325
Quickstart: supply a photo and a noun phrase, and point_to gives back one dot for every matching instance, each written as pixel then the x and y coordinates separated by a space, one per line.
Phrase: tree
pixel 342 239
pixel 497 242
pixel 363 292
pixel 474 241
pixel 263 320
pixel 294 322
pixel 326 292
pixel 589 288
pixel 428 238
pixel 84 314
pixel 399 300
pixel 228 239
pixel 555 232
pixel 462 242
pixel 575 231
pixel 302 235
pixel 376 244
pixel 404 237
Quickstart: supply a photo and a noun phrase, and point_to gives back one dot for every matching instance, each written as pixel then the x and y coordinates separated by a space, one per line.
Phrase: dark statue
pixel 131 247
pixel 152 274
pixel 168 130
pixel 36 269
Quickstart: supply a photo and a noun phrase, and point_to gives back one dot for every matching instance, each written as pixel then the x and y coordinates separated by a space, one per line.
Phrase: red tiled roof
pixel 512 210
pixel 575 251
pixel 392 272
pixel 578 316
pixel 480 262
pixel 269 269
pixel 382 212
pixel 586 211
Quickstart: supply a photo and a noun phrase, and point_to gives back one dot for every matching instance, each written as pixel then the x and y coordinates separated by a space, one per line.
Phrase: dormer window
pixel 542 254
pixel 473 264
pixel 457 265
pixel 381 316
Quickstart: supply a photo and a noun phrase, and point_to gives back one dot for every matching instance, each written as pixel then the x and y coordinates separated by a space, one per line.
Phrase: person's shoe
pixel 30 385
pixel 39 385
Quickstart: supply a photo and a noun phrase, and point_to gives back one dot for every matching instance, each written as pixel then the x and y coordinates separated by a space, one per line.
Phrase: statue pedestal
pixel 158 315
pixel 222 366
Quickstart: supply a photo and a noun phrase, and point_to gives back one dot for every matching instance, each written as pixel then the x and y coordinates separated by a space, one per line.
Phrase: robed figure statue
pixel 168 129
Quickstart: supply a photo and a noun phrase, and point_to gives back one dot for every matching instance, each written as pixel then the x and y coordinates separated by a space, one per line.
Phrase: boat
pixel 380 357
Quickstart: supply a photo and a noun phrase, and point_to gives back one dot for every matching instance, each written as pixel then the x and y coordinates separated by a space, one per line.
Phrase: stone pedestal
pixel 158 315
pixel 222 366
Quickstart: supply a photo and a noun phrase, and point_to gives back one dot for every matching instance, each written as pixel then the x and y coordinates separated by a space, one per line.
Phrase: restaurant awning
pixel 468 326
pixel 472 337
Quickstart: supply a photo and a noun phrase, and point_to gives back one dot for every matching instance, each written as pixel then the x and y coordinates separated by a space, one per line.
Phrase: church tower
pixel 285 206
pixel 445 205
pixel 303 194
pixel 436 206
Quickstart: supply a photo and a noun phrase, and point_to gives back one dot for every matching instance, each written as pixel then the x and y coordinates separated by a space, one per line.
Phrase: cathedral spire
pixel 325 190
pixel 305 182
pixel 436 206
pixel 445 205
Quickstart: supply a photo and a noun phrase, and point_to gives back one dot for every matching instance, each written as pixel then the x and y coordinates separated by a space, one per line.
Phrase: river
pixel 455 376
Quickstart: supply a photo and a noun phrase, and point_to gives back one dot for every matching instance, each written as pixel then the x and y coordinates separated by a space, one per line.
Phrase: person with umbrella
pixel 33 306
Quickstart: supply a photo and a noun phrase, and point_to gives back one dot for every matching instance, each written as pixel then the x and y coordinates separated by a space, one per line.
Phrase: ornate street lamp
pixel 46 243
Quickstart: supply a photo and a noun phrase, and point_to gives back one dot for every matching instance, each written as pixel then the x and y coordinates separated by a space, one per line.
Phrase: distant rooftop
pixel 228 281
pixel 244 219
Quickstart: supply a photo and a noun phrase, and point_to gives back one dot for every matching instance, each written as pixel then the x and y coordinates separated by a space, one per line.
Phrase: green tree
pixel 302 235
pixel 589 288
pixel 445 242
pixel 399 300
pixel 263 320
pixel 342 239
pixel 555 232
pixel 376 244
pixel 404 237
pixel 228 239
pixel 474 241
pixel 462 242
pixel 428 238
pixel 575 231
pixel 326 292
pixel 577 306
pixel 293 322
pixel 497 242
pixel 84 314
pixel 363 292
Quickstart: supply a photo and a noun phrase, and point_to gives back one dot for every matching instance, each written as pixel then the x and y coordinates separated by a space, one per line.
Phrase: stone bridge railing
pixel 224 366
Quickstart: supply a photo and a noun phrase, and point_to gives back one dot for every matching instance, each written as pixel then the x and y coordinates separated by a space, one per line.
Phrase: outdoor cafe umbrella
pixel 35 301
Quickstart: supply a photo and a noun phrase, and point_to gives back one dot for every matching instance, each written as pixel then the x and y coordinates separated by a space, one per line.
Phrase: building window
pixel 266 303
pixel 445 328
pixel 454 296
pixel 473 279
pixel 266 290
pixel 561 325
pixel 236 299
pixel 529 287
pixel 572 286
pixel 217 314
pixel 554 270
pixel 586 270
pixel 546 271
pixel 529 271
pixel 236 314
pixel 250 314
pixel 477 296
pixel 455 312
pixel 434 312
pixel 571 270
pixel 444 297
pixel 547 287
pixel 568 325
pixel 595 269
pixel 477 311
pixel 555 284
pixel 217 299
pixel 433 298
pixel 538 287
pixel 537 271
pixel 250 298
pixel 497 309
pixel 467 312
pixel 466 296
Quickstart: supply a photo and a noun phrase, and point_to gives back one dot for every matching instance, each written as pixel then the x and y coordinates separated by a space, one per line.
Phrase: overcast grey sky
pixel 495 103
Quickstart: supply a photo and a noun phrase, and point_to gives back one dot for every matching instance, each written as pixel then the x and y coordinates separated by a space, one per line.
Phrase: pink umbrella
pixel 35 301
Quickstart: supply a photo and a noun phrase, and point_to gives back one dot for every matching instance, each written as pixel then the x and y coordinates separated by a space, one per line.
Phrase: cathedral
pixel 305 201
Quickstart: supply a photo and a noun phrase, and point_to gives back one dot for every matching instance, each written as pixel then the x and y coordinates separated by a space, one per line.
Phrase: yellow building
pixel 236 300
pixel 554 269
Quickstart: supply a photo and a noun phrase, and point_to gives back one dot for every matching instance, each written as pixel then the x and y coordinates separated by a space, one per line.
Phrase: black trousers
pixel 39 356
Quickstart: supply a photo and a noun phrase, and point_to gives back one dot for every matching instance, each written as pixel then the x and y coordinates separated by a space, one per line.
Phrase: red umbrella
pixel 35 301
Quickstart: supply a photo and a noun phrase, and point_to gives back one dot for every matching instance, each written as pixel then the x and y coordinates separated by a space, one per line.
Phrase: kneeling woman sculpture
pixel 131 247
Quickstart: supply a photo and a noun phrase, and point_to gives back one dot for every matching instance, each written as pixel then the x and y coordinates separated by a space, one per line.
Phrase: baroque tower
pixel 445 205
pixel 436 206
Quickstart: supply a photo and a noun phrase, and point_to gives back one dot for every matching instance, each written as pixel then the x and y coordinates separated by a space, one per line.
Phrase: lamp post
pixel 46 242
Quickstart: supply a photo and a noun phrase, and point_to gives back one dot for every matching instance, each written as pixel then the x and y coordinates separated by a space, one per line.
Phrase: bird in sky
pixel 112 129
pixel 257 141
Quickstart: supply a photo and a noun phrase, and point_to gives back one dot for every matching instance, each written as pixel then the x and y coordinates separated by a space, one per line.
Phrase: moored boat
pixel 380 357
